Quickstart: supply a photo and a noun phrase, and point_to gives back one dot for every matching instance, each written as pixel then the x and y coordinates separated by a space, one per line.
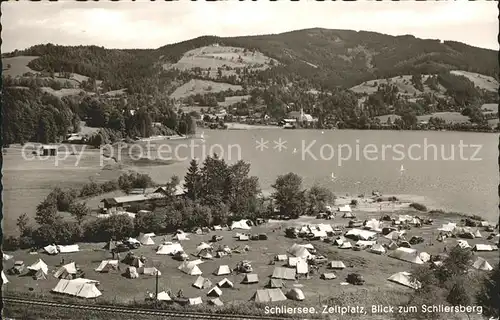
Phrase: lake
pixel 452 179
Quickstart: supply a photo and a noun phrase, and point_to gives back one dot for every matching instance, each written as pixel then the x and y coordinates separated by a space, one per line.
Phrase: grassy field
pixel 374 268
pixel 481 81
pixel 403 83
pixel 19 66
pixel 453 117
pixel 232 100
pixel 201 86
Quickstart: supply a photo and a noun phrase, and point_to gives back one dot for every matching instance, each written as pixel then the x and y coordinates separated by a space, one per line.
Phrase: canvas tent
pixel 299 251
pixel 449 227
pixel 242 224
pixel 214 292
pixel 107 265
pixel 336 265
pixel 4 278
pixel 243 237
pixel 424 256
pixel 181 236
pixel 463 244
pixel 131 273
pixel 348 215
pixel 68 249
pixel 406 254
pixel 302 267
pixel 79 287
pixel 39 265
pixel 202 283
pixel 395 235
pixel 483 247
pixel 377 248
pixel 133 261
pixel 373 224
pixel 281 257
pixel 51 249
pixel 292 261
pixel 68 271
pixel 169 248
pixel 359 234
pixel 295 294
pixel 345 245
pixel 163 296
pixel 222 270
pixel 225 283
pixel 275 283
pixel 149 271
pixel 205 254
pixel 7 257
pixel 478 234
pixel 404 278
pixel 328 276
pixel 146 239
pixel 482 264
pixel 203 246
pixel 190 268
pixel 268 295
pixel 284 273
pixel 195 301
pixel 392 246
pixel 345 208
pixel 250 278
pixel 216 302
pixel 325 228
pixel 110 245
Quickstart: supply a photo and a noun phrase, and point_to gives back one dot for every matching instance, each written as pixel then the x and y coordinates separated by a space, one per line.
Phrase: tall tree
pixel 289 195
pixel 193 180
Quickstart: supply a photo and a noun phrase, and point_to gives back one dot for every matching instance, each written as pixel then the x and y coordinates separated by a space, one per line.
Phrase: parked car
pixel 262 236
pixel 317 260
pixel 216 238
pixel 122 247
pixel 291 232
pixel 416 240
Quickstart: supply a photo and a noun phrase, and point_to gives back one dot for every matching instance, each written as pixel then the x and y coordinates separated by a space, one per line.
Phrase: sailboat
pixel 202 136
pixel 295 150
pixel 402 169
pixel 333 177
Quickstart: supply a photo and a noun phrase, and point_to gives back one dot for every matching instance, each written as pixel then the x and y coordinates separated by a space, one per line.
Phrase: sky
pixel 145 24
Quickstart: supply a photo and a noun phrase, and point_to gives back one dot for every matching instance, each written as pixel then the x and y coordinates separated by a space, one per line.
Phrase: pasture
pixel 484 82
pixel 196 86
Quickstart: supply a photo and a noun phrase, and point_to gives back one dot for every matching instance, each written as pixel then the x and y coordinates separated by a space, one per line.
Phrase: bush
pixel 115 227
pixel 10 243
pixel 109 186
pixel 60 232
pixel 90 189
pixel 354 202
pixel 26 242
pixel 418 206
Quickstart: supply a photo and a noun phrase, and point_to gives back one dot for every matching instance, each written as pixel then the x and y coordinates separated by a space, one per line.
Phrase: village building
pixel 48 150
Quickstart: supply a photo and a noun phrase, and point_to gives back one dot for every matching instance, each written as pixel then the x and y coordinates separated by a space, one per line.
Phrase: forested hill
pixel 326 58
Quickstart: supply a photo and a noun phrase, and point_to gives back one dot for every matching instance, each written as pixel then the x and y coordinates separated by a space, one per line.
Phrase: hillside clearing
pixel 196 86
pixel 484 82
pixel 18 66
pixel 215 56
pixel 63 92
pixel 403 83
pixel 232 100
pixel 453 117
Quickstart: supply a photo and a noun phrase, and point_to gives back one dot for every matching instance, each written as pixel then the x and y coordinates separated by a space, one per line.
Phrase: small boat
pixel 402 169
pixel 295 150
pixel 333 177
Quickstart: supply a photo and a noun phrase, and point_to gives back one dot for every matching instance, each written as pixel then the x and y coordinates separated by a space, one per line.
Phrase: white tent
pixel 478 234
pixel 377 248
pixel 190 268
pixel 222 270
pixel 336 265
pixel 299 251
pixel 302 267
pixel 406 254
pixel 132 240
pixel 181 236
pixel 268 295
pixel 39 265
pixel 325 227
pixel 284 273
pixel 365 243
pixel 51 249
pixel 195 301
pixel 225 283
pixel 203 246
pixel 243 237
pixel 146 239
pixel 66 270
pixel 205 254
pixel 217 228
pixel 216 302
pixel 79 287
pixel 395 235
pixel 328 276
pixel 4 278
pixel 169 248
pixel 202 283
pixel 107 265
pixel 405 279
pixel 214 292
pixel 463 244
pixel 163 296
pixel 345 245
pixel 482 264
pixel 242 224
pixel 361 234
pixel 373 224
pixel 449 227
pixel 149 271
pixel 68 249
pixel 345 208
pixel 295 294
pixel 281 257
pixel 7 257
pixel 483 247
pixel 292 261
pixel 424 256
